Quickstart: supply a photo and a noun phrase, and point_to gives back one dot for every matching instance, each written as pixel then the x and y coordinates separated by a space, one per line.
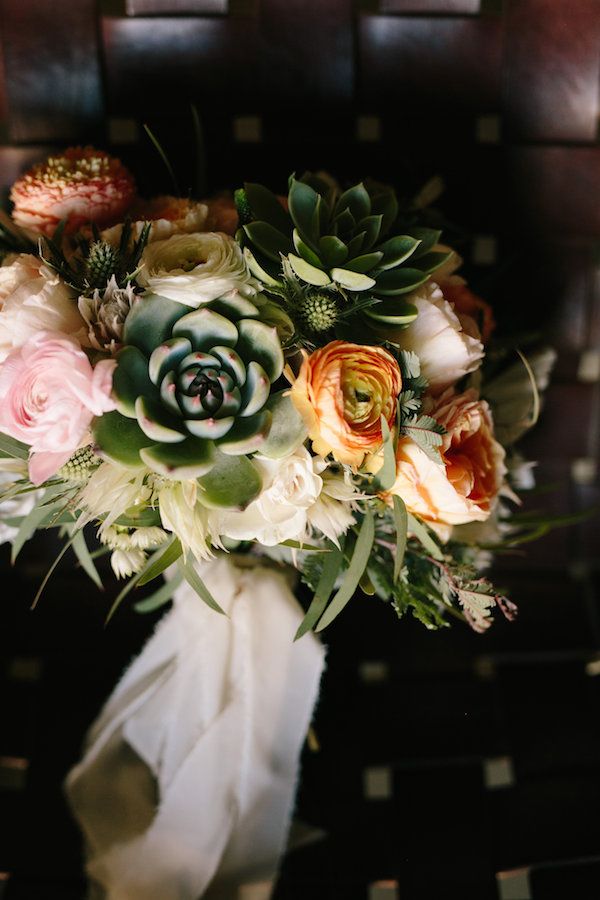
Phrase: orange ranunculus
pixel 342 391
pixel 465 487
pixel 466 303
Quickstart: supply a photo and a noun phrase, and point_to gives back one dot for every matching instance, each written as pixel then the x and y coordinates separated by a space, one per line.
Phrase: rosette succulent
pixel 338 238
pixel 192 392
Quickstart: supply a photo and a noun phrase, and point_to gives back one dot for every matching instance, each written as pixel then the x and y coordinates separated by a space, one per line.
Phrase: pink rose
pixel 49 394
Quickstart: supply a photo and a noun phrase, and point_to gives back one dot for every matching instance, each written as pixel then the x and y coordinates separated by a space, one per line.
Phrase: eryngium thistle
pixel 319 312
pixel 79 467
pixel 102 262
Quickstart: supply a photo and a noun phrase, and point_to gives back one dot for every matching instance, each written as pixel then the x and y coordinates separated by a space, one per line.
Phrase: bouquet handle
pixel 187 782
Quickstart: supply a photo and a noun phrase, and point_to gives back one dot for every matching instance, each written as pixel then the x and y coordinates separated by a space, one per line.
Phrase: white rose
pixel 445 351
pixel 33 299
pixel 195 268
pixel 291 488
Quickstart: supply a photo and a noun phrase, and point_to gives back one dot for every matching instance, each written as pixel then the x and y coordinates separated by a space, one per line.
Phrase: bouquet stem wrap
pixel 188 779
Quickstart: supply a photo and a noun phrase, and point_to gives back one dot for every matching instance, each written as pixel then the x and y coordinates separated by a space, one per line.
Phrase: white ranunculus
pixel 195 268
pixel 33 299
pixel 291 487
pixel 445 351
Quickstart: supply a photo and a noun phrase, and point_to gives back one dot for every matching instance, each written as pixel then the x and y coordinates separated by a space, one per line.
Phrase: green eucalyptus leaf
pixel 190 574
pixel 85 558
pixel 331 568
pixel 401 523
pixel 353 574
pixel 167 555
pixel 159 597
pixel 423 536
pixel 386 475
pixel 10 447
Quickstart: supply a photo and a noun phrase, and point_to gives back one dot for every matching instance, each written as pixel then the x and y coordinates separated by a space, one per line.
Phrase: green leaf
pixel 288 429
pixel 163 359
pixel 268 240
pixel 206 328
pixel 12 448
pixel 401 523
pixel 157 423
pixel 308 273
pixel 33 520
pixel 399 281
pixel 302 545
pixel 371 227
pixel 358 564
pixel 165 557
pixel 247 435
pixel 393 312
pixel 332 251
pixel 195 582
pixel 352 281
pixel 396 250
pixel 363 263
pixel 130 380
pixel 132 583
pixel 259 271
pixel 151 322
pixel 85 559
pixel 48 574
pixel 357 200
pixel 260 342
pixel 232 483
pixel 428 238
pixel 255 390
pixel 307 254
pixel 159 597
pixel 429 262
pixel 386 476
pixel 331 568
pixel 422 534
pixel 119 439
pixel 265 205
pixel 304 205
pixel 385 205
pixel 190 459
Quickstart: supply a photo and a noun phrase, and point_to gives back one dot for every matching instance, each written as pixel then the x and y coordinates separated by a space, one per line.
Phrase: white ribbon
pixel 187 784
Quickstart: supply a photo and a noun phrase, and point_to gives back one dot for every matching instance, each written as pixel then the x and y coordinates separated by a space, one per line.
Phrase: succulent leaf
pixel 151 321
pixel 399 281
pixel 269 240
pixel 288 430
pixel 165 358
pixel 247 434
pixel 119 439
pixel 333 251
pixel 232 483
pixel 157 423
pixel 131 380
pixel 265 206
pixel 260 342
pixel 206 328
pixel 356 199
pixel 190 459
pixel 308 273
pixel 352 281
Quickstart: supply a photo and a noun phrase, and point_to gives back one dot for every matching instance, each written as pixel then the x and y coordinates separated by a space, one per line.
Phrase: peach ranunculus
pixel 49 394
pixel 79 186
pixel 342 391
pixel 33 298
pixel 167 215
pixel 446 351
pixel 465 488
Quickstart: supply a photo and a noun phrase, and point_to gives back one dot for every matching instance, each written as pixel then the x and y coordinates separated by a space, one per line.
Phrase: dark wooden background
pixel 451 765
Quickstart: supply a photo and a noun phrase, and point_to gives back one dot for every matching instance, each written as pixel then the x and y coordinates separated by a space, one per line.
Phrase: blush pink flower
pixel 82 185
pixel 49 394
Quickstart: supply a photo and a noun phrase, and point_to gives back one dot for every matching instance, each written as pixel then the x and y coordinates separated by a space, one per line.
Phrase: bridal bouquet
pixel 306 377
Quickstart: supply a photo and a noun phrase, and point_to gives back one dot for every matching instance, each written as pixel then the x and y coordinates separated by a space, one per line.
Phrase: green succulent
pixel 193 395
pixel 345 238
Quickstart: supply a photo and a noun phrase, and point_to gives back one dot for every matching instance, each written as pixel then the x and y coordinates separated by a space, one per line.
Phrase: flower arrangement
pixel 306 377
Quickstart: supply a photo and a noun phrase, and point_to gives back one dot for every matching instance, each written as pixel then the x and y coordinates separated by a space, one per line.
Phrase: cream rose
pixel 465 487
pixel 33 299
pixel 195 268
pixel 280 512
pixel 445 350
